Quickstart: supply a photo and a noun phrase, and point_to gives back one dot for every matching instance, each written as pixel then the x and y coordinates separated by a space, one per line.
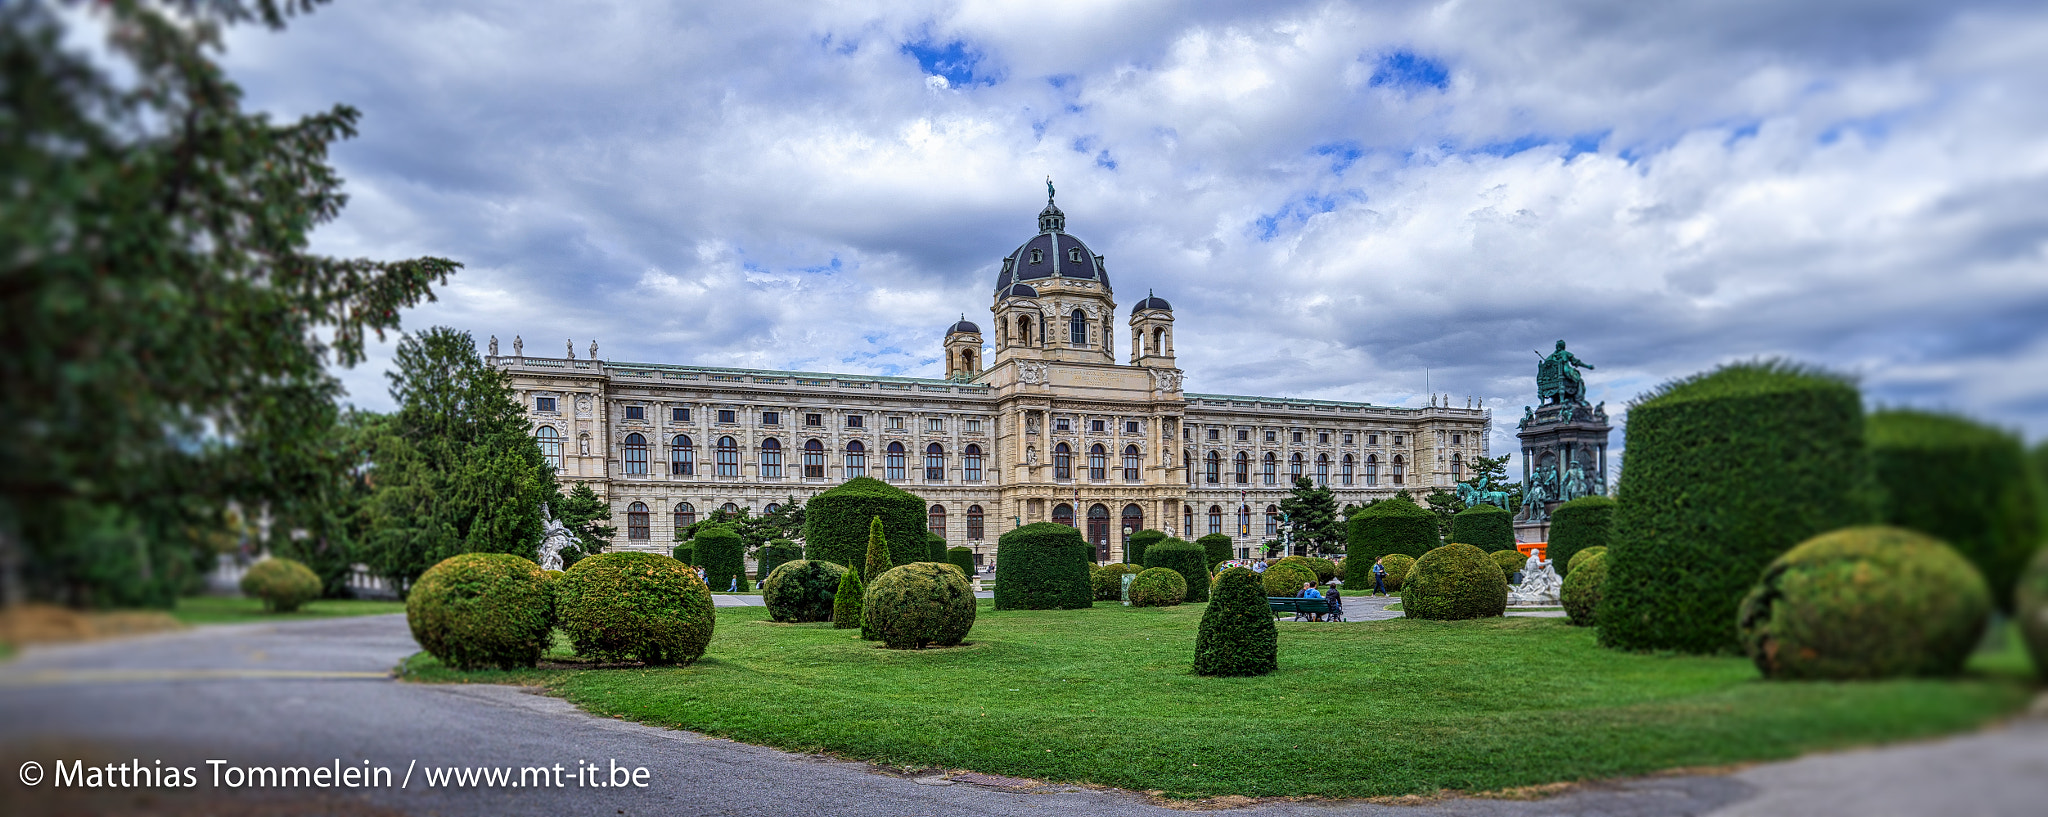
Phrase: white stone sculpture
pixel 554 537
pixel 1540 583
pixel 518 347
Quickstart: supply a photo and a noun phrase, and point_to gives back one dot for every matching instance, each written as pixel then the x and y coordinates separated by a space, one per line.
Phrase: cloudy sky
pixel 1335 196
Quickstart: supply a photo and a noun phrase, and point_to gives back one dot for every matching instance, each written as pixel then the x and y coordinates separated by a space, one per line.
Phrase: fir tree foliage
pixel 846 601
pixel 586 515
pixel 877 562
pixel 1312 517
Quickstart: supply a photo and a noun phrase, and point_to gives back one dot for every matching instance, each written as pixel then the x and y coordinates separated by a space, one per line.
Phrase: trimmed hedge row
pixel 1237 636
pixel 1456 581
pixel 1043 566
pixel 283 584
pixel 836 522
pixel 1134 553
pixel 801 590
pixel 962 558
pixel 1215 549
pixel 1189 559
pixel 1582 523
pixel 1726 471
pixel 479 610
pixel 1963 482
pixel 2030 609
pixel 1158 587
pixel 1394 525
pixel 926 604
pixel 626 604
pixel 723 555
pixel 1866 602
pixel 1487 527
pixel 935 547
pixel 685 553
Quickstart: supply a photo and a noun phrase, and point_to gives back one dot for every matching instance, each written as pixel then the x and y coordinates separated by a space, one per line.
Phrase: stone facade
pixel 1052 428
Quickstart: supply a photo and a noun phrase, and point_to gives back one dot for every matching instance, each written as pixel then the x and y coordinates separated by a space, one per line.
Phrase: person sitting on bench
pixel 1309 591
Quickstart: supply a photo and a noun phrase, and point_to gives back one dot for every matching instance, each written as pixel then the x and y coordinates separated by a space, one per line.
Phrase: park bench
pixel 1300 606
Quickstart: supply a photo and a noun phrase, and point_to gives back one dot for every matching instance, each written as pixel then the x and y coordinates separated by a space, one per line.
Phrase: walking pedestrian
pixel 1379 576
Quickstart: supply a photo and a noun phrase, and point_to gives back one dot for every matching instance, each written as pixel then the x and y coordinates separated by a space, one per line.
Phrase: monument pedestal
pixel 1532 531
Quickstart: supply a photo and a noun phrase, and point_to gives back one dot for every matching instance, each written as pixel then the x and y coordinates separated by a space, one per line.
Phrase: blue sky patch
pixel 1298 211
pixel 1573 145
pixel 1409 70
pixel 953 59
pixel 1341 154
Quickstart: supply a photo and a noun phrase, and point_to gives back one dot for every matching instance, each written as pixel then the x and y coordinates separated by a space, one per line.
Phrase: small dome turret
pixel 1151 302
pixel 964 325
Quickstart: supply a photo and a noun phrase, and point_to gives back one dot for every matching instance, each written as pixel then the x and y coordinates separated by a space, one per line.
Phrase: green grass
pixel 1105 696
pixel 237 610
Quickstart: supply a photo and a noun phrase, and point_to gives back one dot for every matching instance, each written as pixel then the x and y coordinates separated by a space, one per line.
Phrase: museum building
pixel 1036 421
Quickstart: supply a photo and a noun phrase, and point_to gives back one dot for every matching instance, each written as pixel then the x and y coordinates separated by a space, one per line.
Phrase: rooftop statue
pixel 1558 379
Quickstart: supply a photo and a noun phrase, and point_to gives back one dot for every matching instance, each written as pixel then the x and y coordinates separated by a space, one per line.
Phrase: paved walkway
pixel 317 693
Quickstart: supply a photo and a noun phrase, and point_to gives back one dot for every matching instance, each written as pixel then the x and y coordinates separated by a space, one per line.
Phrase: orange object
pixel 1525 547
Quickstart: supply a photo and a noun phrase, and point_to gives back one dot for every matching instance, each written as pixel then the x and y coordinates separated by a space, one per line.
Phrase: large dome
pixel 1050 254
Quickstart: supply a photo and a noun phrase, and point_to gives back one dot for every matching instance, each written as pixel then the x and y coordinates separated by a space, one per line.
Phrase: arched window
pixel 1372 470
pixel 814 459
pixel 1062 462
pixel 686 515
pixel 771 459
pixel 895 461
pixel 935 520
pixel 728 457
pixel 772 507
pixel 1322 469
pixel 1098 530
pixel 1272 520
pixel 1215 519
pixel 1063 514
pixel 856 459
pixel 682 457
pixel 636 521
pixel 970 462
pixel 1213 468
pixel 636 455
pixel 1133 463
pixel 1098 462
pixel 550 445
pixel 974 530
pixel 1294 464
pixel 1272 468
pixel 1457 467
pixel 934 463
pixel 1347 469
pixel 1400 470
pixel 1024 331
pixel 1133 521
pixel 729 509
pixel 1244 468
pixel 1244 520
pixel 1037 255
pixel 1187 520
pixel 1077 329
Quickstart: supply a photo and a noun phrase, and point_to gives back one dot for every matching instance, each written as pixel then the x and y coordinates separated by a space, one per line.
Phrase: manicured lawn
pixel 234 610
pixel 1381 708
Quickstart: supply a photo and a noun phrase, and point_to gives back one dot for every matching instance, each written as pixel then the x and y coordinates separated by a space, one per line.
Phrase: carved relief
pixel 1031 372
pixel 1166 379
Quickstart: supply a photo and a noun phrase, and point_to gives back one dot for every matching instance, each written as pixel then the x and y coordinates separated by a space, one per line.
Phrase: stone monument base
pixel 1532 532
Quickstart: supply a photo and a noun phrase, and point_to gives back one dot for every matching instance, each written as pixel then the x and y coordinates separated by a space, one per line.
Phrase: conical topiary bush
pixel 877 561
pixel 846 601
pixel 1237 636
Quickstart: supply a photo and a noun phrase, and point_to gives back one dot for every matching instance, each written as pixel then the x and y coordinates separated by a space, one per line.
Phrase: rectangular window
pixel 895 424
pixel 1243 435
pixel 1397 440
pixel 678 415
pixel 1348 438
pixel 636 412
pixel 1096 426
pixel 974 426
pixel 1322 438
pixel 1372 439
pixel 1215 434
pixel 1130 426
pixel 1062 424
pixel 771 418
pixel 853 421
pixel 1272 436
pixel 543 404
pixel 728 416
pixel 935 424
pixel 814 420
pixel 1297 436
pixel 1457 439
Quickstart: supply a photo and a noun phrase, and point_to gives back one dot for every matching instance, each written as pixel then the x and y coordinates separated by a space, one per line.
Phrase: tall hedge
pixel 1237 635
pixel 836 522
pixel 1394 525
pixel 685 553
pixel 1190 559
pixel 1582 523
pixel 773 555
pixel 1487 527
pixel 723 555
pixel 1043 566
pixel 1216 549
pixel 1134 553
pixel 935 548
pixel 1963 482
pixel 1726 471
pixel 962 558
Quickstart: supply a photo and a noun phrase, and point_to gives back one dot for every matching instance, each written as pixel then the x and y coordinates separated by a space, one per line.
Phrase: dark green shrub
pixel 1580 557
pixel 1509 562
pixel 962 558
pixel 1867 602
pixel 629 604
pixel 1216 550
pixel 282 584
pixel 685 553
pixel 1237 636
pixel 1284 579
pixel 1398 566
pixel 846 600
pixel 1190 559
pixel 773 555
pixel 1158 587
pixel 1581 523
pixel 1487 527
pixel 1108 580
pixel 876 560
pixel 927 604
pixel 1456 581
pixel 1324 569
pixel 1134 553
pixel 1394 525
pixel 1581 591
pixel 723 555
pixel 480 610
pixel 1726 471
pixel 836 522
pixel 2030 610
pixel 1043 566
pixel 935 547
pixel 1964 483
pixel 801 590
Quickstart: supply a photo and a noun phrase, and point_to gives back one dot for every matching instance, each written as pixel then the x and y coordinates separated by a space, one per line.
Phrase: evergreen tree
pixel 878 552
pixel 1237 635
pixel 585 514
pixel 846 601
pixel 1445 505
pixel 1495 471
pixel 1312 517
pixel 320 522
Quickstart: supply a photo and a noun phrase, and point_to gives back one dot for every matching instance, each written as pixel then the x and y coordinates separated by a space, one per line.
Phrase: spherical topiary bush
pixel 1397 565
pixel 2030 608
pixel 1581 592
pixel 1487 527
pixel 1509 562
pixel 962 558
pixel 482 610
pixel 1284 579
pixel 1963 482
pixel 1324 569
pixel 282 584
pixel 1189 559
pixel 1576 526
pixel 1108 580
pixel 1158 587
pixel 1134 553
pixel 1237 636
pixel 801 590
pixel 1456 581
pixel 723 555
pixel 1865 602
pixel 836 523
pixel 926 604
pixel 773 555
pixel 639 605
pixel 1394 525
pixel 1216 549
pixel 1580 557
pixel 1043 566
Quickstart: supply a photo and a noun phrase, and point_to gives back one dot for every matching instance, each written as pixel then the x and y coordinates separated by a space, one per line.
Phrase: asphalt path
pixel 319 693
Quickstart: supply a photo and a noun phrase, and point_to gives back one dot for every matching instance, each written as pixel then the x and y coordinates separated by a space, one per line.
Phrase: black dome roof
pixel 1020 291
pixel 1050 254
pixel 1151 302
pixel 964 325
